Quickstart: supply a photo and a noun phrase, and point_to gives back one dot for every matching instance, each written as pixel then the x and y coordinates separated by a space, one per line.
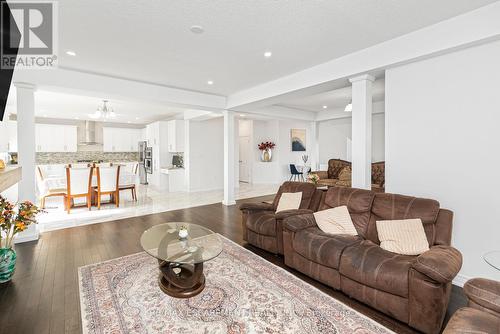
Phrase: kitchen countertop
pixel 168 170
pixel 9 176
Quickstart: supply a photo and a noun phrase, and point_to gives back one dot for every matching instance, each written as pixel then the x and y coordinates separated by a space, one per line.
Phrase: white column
pixel 315 146
pixel 229 158
pixel 26 150
pixel 361 130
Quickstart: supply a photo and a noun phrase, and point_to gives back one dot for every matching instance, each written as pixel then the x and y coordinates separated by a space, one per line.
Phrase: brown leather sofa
pixel 483 312
pixel 330 177
pixel 412 289
pixel 262 226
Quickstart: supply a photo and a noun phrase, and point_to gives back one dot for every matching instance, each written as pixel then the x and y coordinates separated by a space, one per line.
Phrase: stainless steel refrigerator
pixel 144 162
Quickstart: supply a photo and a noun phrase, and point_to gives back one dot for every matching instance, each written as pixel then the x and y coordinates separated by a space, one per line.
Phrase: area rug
pixel 243 294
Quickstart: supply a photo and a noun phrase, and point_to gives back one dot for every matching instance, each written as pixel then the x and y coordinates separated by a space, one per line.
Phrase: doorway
pixel 244 157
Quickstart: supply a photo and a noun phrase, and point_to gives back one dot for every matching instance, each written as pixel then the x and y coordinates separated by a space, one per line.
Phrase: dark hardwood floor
pixel 43 295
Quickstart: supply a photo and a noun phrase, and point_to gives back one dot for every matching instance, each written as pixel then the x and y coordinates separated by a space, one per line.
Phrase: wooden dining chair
pixel 45 190
pixel 79 181
pixel 107 184
pixel 128 181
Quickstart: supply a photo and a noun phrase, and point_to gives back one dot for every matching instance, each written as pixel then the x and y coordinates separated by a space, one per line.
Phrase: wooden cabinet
pixel 175 132
pixel 120 139
pixel 56 138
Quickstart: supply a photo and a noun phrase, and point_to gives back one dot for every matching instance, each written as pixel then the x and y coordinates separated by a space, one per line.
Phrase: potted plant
pixel 313 178
pixel 11 223
pixel 267 150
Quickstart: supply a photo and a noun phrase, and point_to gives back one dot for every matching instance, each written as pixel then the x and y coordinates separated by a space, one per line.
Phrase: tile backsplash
pixel 49 158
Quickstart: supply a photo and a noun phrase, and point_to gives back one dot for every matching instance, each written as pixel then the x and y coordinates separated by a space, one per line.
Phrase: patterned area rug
pixel 244 294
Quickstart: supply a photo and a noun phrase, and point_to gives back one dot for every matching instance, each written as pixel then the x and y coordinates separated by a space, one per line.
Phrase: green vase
pixel 7 264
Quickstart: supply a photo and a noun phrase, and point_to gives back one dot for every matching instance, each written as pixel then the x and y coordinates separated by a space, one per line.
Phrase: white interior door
pixel 244 153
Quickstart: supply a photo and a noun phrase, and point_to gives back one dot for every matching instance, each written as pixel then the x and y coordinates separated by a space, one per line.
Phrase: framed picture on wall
pixel 298 139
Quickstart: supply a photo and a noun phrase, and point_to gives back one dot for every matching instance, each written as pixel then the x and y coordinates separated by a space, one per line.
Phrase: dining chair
pixel 107 184
pixel 79 181
pixel 128 181
pixel 296 175
pixel 45 188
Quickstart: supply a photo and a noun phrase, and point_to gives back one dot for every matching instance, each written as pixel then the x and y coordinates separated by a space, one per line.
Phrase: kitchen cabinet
pixel 175 133
pixel 12 128
pixel 120 139
pixel 56 138
pixel 4 137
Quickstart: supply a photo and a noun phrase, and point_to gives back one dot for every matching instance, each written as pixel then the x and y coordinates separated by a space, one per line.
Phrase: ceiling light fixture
pixel 210 82
pixel 268 54
pixel 104 111
pixel 242 115
pixel 71 53
pixel 324 107
pixel 197 29
pixel 348 107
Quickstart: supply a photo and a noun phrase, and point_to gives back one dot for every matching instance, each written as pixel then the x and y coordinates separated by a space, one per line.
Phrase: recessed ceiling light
pixel 210 82
pixel 197 29
pixel 241 115
pixel 324 107
pixel 71 53
pixel 268 54
pixel 129 122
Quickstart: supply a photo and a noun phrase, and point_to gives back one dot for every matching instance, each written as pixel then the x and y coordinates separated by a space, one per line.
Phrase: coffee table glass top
pixel 163 242
pixel 493 259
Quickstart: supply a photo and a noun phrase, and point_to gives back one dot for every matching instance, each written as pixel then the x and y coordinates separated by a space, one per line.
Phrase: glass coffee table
pixel 181 259
pixel 493 259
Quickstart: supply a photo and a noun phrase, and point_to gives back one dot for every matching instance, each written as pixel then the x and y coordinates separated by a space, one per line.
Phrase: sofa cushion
pixel 289 201
pixel 368 264
pixel 262 222
pixel 393 207
pixel 335 221
pixel 469 320
pixel 405 236
pixel 322 248
pixel 358 202
pixel 307 189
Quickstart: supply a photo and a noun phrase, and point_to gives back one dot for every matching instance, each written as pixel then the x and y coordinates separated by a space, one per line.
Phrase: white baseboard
pixel 460 280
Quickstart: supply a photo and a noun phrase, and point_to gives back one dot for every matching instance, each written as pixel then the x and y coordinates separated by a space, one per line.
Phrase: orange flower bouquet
pixel 11 223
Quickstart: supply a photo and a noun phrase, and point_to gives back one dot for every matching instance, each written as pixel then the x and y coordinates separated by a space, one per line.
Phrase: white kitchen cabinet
pixel 12 128
pixel 175 131
pixel 56 138
pixel 120 139
pixel 4 137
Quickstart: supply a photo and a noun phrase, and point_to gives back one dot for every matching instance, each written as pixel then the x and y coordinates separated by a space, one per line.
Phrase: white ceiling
pixel 77 107
pixel 150 40
pixel 335 99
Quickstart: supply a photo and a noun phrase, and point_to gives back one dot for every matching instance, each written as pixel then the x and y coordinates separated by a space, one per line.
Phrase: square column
pixel 26 144
pixel 362 131
pixel 229 158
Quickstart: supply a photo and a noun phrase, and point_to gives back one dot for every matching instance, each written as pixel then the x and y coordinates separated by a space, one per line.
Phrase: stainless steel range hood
pixel 90 134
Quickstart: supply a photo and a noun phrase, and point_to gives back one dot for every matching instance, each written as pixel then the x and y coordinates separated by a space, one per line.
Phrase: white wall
pixel 334 134
pixel 206 154
pixel 443 142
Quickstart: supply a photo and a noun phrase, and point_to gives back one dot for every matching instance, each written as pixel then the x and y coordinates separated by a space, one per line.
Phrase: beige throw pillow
pixel 289 201
pixel 405 236
pixel 335 221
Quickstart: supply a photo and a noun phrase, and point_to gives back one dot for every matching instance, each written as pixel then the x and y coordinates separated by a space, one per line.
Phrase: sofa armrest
pixel 485 293
pixel 441 263
pixel 289 213
pixel 257 206
pixel 300 222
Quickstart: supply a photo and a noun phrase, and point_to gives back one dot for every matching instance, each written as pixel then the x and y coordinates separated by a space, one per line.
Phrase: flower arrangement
pixel 12 222
pixel 266 145
pixel 266 148
pixel 313 178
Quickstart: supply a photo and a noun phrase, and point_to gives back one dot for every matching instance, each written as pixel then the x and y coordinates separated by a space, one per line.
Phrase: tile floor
pixel 149 201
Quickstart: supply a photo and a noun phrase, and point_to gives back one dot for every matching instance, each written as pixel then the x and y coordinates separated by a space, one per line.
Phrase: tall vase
pixel 7 263
pixel 267 155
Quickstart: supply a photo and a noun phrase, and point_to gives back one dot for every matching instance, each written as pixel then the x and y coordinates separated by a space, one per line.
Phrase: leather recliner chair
pixel 263 227
pixel 412 289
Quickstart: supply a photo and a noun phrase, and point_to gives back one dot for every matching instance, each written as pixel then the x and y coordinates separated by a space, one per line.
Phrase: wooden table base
pixel 181 280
